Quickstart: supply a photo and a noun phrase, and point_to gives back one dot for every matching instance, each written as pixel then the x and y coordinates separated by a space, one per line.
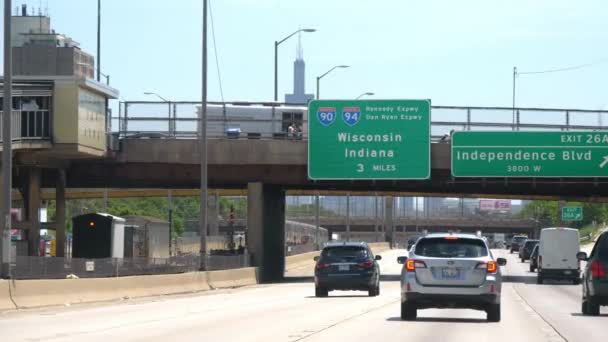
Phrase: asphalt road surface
pixel 290 312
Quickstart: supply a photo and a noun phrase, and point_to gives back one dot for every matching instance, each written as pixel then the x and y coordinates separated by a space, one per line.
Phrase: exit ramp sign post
pixel 530 154
pixel 572 214
pixel 369 139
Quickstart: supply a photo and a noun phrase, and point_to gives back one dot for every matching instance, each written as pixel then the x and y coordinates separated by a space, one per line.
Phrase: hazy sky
pixel 453 52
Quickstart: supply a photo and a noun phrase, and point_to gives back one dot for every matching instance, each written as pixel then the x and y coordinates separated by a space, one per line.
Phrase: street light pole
pixel 276 71
pixel 203 148
pixel 276 59
pixel 99 41
pixel 514 76
pixel 157 95
pixel 326 73
pixel 365 94
pixel 7 152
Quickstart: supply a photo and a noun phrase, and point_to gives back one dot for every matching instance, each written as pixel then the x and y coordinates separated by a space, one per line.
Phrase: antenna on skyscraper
pixel 299 52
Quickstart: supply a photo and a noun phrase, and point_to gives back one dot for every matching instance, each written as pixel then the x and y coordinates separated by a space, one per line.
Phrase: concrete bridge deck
pixel 233 163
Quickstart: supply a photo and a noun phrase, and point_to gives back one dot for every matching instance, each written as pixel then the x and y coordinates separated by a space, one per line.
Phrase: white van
pixel 557 255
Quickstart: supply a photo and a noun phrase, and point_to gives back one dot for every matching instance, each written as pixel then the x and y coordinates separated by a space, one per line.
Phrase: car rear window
pixel 519 239
pixel 531 243
pixel 344 254
pixel 451 248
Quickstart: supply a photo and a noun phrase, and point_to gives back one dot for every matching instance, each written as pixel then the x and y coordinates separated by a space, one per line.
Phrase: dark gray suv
pixel 347 266
pixel 595 279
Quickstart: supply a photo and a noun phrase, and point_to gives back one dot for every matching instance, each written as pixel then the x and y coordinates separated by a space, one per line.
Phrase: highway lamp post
pixel 203 147
pixel 416 219
pixel 376 215
pixel 7 152
pixel 317 209
pixel 364 94
pixel 514 77
pixel 348 216
pixel 172 124
pixel 99 42
pixel 170 214
pixel 150 93
pixel 276 59
pixel 326 73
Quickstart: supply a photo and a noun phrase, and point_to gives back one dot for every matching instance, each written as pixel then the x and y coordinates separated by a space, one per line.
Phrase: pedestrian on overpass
pixel 291 130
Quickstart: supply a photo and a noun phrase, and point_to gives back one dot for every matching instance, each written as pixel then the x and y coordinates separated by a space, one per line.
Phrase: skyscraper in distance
pixel 299 95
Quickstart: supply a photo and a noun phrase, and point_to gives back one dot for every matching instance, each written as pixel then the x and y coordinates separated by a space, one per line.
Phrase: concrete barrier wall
pixel 5 300
pixel 35 293
pixel 233 278
pixel 38 293
pixel 300 260
pixel 154 285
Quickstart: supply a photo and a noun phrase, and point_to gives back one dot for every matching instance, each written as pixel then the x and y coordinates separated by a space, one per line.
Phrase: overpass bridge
pixel 160 163
pixel 156 148
pixel 370 224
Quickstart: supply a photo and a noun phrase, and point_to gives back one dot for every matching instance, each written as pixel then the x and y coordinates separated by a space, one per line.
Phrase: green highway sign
pixel 572 213
pixel 530 154
pixel 369 139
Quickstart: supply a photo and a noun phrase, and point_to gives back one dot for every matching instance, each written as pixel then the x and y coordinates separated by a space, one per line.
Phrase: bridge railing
pixel 263 120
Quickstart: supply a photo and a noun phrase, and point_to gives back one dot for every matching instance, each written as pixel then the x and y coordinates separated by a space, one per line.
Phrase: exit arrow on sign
pixel 603 163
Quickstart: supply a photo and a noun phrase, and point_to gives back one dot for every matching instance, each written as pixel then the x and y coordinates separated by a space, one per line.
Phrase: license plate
pixel 343 268
pixel 450 273
pixel 567 272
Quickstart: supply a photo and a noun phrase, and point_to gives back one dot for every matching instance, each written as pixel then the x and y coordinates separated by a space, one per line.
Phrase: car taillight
pixel 490 266
pixel 366 264
pixel 411 265
pixel 598 270
pixel 321 265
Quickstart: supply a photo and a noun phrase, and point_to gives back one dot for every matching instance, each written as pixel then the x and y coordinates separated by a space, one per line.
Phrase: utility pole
pixel 170 214
pixel 376 216
pixel 203 148
pixel 348 216
pixel 514 76
pixel 7 152
pixel 317 210
pixel 99 41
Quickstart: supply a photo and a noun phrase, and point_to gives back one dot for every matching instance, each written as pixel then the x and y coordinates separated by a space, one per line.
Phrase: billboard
pixel 494 205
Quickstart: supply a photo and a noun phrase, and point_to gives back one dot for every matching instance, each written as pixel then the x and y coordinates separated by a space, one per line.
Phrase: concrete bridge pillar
pixel 388 219
pixel 32 204
pixel 60 213
pixel 266 230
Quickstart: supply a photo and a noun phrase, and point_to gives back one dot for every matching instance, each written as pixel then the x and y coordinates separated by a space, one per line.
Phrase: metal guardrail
pixel 29 125
pixel 269 120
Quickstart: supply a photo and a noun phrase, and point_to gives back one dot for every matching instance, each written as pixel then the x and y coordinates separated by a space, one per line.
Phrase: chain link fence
pixel 26 267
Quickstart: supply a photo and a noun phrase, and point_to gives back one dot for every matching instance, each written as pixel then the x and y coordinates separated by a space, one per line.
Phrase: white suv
pixel 451 271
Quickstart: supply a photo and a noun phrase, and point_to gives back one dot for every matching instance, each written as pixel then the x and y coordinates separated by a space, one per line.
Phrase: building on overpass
pixel 59 115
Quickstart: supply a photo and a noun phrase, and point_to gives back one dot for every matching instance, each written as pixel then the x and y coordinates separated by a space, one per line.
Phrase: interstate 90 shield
pixel 326 115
